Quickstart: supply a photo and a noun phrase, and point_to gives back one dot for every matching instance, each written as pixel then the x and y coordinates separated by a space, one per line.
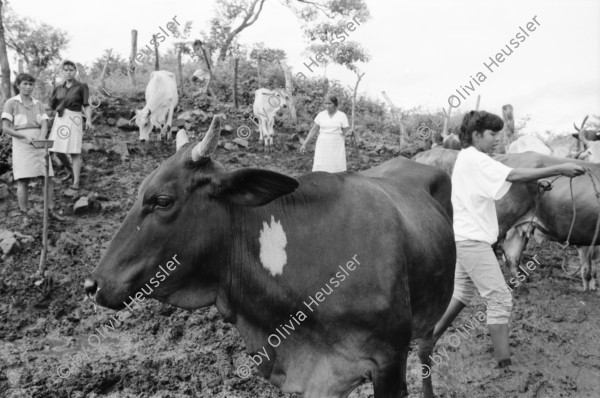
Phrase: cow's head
pixel 184 209
pixel 279 99
pixel 591 147
pixel 142 120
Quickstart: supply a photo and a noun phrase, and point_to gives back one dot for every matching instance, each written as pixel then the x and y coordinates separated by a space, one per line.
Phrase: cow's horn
pixel 207 146
pixel 181 139
pixel 581 130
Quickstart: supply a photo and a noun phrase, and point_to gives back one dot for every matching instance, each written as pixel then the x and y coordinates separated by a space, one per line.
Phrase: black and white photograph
pixel 299 198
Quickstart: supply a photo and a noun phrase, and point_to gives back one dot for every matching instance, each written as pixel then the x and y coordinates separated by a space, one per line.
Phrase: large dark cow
pixel 263 246
pixel 555 213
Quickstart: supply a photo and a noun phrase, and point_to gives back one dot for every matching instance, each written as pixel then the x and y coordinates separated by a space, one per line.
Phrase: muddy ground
pixel 161 351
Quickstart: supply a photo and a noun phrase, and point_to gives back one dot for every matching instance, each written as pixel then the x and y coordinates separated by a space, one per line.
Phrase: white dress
pixel 330 150
pixel 28 161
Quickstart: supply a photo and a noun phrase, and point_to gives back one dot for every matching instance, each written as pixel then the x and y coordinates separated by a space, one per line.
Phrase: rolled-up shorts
pixel 477 269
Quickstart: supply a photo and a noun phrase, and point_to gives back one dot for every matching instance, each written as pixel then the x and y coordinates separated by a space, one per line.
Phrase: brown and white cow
pixel 161 100
pixel 261 245
pixel 266 104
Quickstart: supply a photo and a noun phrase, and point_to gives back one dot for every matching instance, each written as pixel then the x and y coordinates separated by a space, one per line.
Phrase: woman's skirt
pixel 67 132
pixel 28 161
pixel 330 153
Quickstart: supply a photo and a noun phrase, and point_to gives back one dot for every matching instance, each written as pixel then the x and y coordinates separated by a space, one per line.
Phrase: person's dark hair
pixel 478 121
pixel 22 77
pixel 332 98
pixel 70 63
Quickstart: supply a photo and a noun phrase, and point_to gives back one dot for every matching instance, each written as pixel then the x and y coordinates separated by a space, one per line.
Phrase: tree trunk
pixel 103 73
pixel 20 66
pixel 81 70
pixel 477 104
pixel 156 60
pixel 446 121
pixel 398 116
pixel 131 69
pixel 354 134
pixel 289 87
pixel 258 69
pixel 235 79
pixel 4 66
pixel 179 49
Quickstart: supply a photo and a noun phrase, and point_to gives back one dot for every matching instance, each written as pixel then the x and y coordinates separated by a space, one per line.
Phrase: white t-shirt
pixel 477 180
pixel 331 125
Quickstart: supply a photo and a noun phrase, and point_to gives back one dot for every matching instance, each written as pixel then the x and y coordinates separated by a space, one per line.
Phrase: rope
pixel 590 253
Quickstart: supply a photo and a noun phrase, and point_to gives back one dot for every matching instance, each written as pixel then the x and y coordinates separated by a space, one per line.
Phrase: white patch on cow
pixel 272 246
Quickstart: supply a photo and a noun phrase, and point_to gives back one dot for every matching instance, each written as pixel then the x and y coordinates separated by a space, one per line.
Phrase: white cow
pixel 266 104
pixel 527 143
pixel 161 100
pixel 591 148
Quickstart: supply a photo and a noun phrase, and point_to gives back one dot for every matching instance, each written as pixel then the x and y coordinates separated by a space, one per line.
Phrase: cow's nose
pixel 91 288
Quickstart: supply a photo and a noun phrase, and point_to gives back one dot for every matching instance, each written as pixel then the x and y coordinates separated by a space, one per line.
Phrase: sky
pixel 421 51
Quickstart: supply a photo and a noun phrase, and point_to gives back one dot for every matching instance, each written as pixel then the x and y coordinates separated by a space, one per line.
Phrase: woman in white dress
pixel 24 119
pixel 330 150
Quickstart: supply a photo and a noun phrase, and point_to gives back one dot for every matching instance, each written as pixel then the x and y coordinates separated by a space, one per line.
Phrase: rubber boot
pixel 449 316
pixel 499 334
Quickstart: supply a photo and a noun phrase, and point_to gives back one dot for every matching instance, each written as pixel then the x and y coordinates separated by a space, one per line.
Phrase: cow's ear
pixel 252 187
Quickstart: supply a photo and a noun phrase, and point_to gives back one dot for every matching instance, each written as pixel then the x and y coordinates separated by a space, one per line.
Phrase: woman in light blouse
pixel 330 150
pixel 24 118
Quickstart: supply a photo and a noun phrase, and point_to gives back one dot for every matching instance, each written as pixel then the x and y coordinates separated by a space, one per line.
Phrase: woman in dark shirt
pixel 68 100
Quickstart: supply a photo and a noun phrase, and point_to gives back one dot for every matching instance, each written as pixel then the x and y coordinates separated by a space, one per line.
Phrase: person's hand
pixel 29 139
pixel 303 148
pixel 571 170
pixel 88 125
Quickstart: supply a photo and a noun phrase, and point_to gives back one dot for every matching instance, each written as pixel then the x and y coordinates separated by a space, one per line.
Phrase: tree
pixel 39 44
pixel 232 17
pixel 116 64
pixel 270 55
pixel 4 66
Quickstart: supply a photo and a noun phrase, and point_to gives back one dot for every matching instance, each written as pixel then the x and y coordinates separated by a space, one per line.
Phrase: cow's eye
pixel 163 202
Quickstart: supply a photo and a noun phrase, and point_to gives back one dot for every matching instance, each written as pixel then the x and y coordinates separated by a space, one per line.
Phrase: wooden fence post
pixel 131 69
pixel 156 59
pixel 235 79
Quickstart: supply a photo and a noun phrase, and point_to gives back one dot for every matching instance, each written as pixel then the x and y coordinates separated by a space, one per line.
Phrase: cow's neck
pixel 250 295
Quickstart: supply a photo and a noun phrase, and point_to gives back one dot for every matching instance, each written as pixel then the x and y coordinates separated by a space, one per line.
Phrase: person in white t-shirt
pixel 477 181
pixel 330 150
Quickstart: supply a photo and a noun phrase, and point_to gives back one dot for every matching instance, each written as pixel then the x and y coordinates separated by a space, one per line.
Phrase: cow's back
pixel 160 92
